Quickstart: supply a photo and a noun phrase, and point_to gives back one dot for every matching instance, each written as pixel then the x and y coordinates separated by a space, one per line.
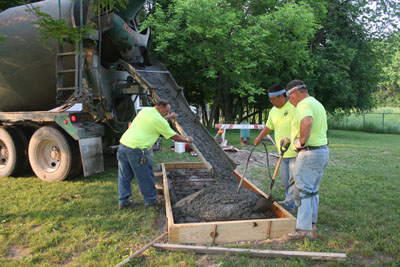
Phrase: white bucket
pixel 179 147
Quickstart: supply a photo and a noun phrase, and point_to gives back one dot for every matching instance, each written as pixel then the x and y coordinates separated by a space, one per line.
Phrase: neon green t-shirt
pixel 145 129
pixel 309 106
pixel 280 121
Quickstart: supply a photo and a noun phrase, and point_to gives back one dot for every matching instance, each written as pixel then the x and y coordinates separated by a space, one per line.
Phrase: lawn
pixel 77 223
pixel 380 120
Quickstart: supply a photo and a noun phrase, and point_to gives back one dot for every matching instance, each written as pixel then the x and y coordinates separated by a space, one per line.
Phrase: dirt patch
pixel 257 171
pixel 206 261
pixel 258 159
pixel 17 253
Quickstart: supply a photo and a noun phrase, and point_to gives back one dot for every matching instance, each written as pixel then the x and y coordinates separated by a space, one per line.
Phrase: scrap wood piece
pixel 140 251
pixel 253 252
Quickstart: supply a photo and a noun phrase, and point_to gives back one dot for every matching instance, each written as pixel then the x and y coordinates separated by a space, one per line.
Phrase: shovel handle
pixel 277 168
pixel 274 176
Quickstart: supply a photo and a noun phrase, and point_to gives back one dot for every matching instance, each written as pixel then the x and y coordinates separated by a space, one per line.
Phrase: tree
pixel 388 89
pixel 346 68
pixel 221 49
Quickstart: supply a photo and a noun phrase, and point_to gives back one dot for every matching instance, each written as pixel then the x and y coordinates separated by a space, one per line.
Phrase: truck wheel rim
pixel 48 155
pixel 3 155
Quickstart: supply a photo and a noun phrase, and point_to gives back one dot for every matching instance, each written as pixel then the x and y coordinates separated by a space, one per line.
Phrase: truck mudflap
pixel 92 155
pixel 160 83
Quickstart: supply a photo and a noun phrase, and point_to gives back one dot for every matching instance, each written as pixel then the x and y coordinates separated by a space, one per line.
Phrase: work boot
pixel 298 234
pixel 314 230
pixel 131 204
pixel 157 204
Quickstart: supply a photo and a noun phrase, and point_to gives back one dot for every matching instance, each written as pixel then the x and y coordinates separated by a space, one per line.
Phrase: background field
pixel 380 120
pixel 77 223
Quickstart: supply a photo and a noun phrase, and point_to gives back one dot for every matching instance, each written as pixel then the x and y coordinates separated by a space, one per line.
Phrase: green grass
pixel 77 223
pixel 373 122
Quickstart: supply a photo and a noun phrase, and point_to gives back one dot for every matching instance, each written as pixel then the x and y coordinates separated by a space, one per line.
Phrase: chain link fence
pixel 374 122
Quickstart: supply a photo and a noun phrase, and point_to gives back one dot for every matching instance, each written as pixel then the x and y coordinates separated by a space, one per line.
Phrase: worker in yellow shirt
pixel 134 159
pixel 280 120
pixel 309 128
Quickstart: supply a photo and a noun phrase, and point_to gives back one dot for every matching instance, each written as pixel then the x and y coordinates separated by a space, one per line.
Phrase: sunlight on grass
pixel 77 222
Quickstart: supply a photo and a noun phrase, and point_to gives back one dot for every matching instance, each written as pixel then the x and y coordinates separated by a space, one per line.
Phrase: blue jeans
pixel 286 172
pixel 130 166
pixel 309 168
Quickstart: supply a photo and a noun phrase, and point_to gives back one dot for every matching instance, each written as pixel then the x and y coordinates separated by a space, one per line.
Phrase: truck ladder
pixel 65 70
pixel 69 63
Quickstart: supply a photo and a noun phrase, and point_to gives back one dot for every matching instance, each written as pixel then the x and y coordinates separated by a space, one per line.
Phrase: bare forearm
pixel 171 116
pixel 180 138
pixel 262 134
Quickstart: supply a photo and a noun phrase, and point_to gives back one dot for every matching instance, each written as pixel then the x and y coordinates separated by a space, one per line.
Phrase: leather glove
pixel 285 142
pixel 297 144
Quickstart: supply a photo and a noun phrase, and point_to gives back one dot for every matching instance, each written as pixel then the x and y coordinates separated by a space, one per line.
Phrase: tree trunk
pixel 227 105
pixel 215 105
pixel 204 112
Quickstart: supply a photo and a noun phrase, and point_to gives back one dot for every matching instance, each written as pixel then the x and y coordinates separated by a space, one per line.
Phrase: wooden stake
pixel 253 252
pixel 214 235
pixel 140 251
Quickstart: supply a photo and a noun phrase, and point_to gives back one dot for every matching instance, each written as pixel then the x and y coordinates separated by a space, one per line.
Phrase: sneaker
pixel 298 234
pixel 130 204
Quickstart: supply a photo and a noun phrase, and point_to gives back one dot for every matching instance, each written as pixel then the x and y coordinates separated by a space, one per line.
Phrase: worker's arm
pixel 262 134
pixel 171 116
pixel 305 129
pixel 180 138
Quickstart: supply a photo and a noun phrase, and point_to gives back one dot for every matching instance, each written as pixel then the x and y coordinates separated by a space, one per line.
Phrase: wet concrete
pixel 215 203
pixel 196 197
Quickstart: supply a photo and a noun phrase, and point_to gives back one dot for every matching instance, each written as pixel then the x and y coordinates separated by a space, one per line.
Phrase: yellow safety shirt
pixel 309 106
pixel 145 129
pixel 280 121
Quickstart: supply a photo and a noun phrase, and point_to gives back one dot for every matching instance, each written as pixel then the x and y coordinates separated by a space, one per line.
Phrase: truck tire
pixel 50 155
pixel 11 152
pixel 76 158
pixel 23 160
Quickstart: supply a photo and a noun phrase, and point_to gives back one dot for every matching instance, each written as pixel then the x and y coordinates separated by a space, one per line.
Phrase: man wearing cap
pixel 280 120
pixel 309 138
pixel 134 159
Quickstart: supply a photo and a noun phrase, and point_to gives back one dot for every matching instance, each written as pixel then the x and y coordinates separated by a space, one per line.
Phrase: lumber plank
pixel 158 174
pixel 140 251
pixel 253 252
pixel 168 208
pixel 185 165
pixel 230 231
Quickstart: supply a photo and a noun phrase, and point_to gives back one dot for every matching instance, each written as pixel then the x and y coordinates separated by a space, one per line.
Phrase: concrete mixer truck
pixel 62 107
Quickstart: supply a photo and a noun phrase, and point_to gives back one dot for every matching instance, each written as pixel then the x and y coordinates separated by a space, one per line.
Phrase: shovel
pixel 264 204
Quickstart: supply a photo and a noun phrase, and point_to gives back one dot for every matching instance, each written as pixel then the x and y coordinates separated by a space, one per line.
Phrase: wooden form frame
pixel 226 231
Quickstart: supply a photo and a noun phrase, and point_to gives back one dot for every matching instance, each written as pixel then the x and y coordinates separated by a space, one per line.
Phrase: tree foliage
pixel 388 89
pixel 222 51
pixel 328 44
